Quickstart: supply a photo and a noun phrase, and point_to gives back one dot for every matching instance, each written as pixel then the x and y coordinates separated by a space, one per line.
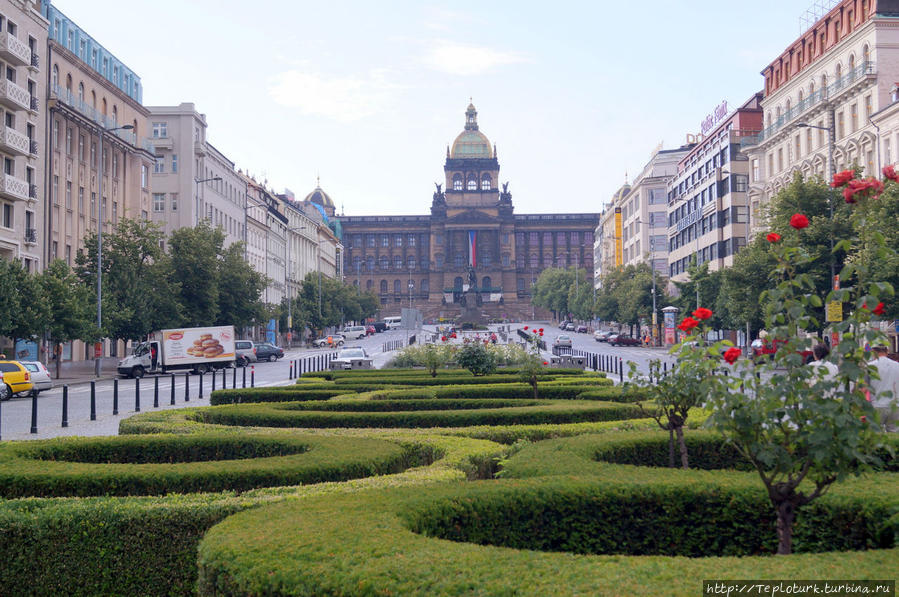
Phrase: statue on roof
pixel 505 196
pixel 439 195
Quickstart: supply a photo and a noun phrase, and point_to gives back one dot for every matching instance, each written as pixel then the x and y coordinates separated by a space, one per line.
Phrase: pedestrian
pixel 820 353
pixel 885 391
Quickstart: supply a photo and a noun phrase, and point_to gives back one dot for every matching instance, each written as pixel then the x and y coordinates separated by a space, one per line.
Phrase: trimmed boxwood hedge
pixel 191 463
pixel 373 543
pixel 286 415
pixel 275 394
pixel 392 375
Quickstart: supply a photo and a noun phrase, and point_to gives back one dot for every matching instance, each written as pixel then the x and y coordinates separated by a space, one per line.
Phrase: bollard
pixel 212 374
pixel 65 406
pixel 244 375
pixel 155 392
pixel 93 401
pixel 34 413
pixel 187 387
pixel 115 396
pixel 201 385
pixel 253 376
pixel 137 394
pixel 621 370
pixel 224 379
pixel 290 371
pixel 665 368
pixel 173 390
pixel 234 377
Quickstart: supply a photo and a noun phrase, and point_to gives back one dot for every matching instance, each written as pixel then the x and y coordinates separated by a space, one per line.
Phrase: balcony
pixel 12 141
pixel 30 236
pixel 14 50
pixel 14 97
pixel 13 188
pixel 862 73
pixel 199 148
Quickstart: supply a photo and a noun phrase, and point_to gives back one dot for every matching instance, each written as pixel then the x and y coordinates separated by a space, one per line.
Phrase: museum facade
pixel 472 246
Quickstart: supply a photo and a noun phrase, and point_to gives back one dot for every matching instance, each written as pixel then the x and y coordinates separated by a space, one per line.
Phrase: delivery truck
pixel 197 349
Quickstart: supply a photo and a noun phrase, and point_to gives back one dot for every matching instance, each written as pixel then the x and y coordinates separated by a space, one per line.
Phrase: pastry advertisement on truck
pixel 197 349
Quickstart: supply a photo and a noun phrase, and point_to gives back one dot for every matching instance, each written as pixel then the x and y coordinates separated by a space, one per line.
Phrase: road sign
pixel 834 311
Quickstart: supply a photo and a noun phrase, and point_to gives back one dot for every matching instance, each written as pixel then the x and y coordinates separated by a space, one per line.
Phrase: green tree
pixel 240 289
pixel 195 271
pixel 551 290
pixel 69 305
pixel 25 311
pixel 580 296
pixel 475 357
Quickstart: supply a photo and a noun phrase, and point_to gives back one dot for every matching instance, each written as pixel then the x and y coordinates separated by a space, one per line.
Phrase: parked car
pixel 352 358
pixel 16 377
pixel 40 377
pixel 562 340
pixel 246 352
pixel 581 329
pixel 380 326
pixel 336 340
pixel 601 335
pixel 762 348
pixel 356 332
pixel 370 330
pixel 268 352
pixel 564 325
pixel 623 340
pixel 4 389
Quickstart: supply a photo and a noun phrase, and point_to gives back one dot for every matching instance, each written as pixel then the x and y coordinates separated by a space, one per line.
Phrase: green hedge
pixel 286 415
pixel 405 376
pixel 375 543
pixel 424 404
pixel 155 465
pixel 274 394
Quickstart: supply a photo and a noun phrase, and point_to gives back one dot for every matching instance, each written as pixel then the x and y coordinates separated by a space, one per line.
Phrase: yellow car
pixel 16 378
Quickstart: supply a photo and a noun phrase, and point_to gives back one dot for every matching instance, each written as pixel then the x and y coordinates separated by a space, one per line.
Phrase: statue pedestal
pixel 472 315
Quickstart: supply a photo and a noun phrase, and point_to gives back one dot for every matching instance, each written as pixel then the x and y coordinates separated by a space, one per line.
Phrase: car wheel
pixel 137 372
pixel 7 393
pixel 202 368
pixel 272 358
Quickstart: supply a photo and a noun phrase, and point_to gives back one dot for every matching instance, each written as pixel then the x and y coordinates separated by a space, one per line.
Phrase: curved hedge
pixel 377 544
pixel 157 465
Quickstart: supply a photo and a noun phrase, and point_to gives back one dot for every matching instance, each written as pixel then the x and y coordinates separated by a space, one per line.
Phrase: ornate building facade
pixel 471 242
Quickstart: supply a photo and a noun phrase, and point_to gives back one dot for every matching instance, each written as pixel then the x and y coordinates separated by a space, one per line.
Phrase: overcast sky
pixel 367 95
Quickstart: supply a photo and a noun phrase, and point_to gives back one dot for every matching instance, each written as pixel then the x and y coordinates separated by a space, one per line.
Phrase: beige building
pixel 23 38
pixel 191 179
pixel 820 94
pixel 605 238
pixel 92 96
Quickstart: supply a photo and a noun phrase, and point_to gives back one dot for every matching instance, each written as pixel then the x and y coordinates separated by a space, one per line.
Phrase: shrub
pixel 476 358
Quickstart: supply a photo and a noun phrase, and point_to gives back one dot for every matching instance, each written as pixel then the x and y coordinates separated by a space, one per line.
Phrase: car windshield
pixel 563 338
pixel 8 367
pixel 356 353
pixel 30 366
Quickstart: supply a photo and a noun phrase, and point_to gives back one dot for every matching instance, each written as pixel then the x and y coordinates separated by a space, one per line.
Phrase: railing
pixel 68 98
pixel 35 104
pixel 10 45
pixel 31 236
pixel 15 140
pixel 863 70
pixel 32 191
pixel 35 61
pixel 13 187
pixel 14 96
pixel 32 147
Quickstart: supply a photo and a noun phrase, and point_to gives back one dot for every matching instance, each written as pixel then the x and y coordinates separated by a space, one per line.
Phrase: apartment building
pixel 191 179
pixel 266 232
pixel 820 94
pixel 606 238
pixel 23 37
pixel 708 200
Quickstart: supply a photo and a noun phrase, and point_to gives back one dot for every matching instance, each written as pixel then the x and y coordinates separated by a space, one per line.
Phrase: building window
pixel 397 262
pixel 385 240
pixel 411 240
pixel 7 215
pixel 384 262
pixel 410 262
pixel 398 240
pixel 159 165
pixel 143 175
pixel 371 240
pixel 397 287
pixel 383 286
pixel 93 155
pixel 457 182
pixel 160 130
pixel 485 182
pixel 174 197
pixel 174 163
pixel 472 184
pixel 158 202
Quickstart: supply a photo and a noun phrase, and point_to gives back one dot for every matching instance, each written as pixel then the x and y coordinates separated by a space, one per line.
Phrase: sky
pixel 367 95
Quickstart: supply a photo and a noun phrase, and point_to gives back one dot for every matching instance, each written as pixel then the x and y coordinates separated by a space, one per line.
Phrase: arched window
pixel 356 283
pixel 485 182
pixel 115 116
pixel 103 107
pixel 383 286
pixel 787 112
pixel 801 96
pixel 384 262
pixel 839 72
pixel 80 94
pixel 134 130
pixel 866 55
pixel 486 282
pixel 55 76
pixel 94 100
pixel 425 286
pixel 851 63
pixel 69 85
pixel 410 262
pixel 811 89
pixel 457 283
pixel 457 182
pixel 397 287
pixel 472 182
pixel 369 284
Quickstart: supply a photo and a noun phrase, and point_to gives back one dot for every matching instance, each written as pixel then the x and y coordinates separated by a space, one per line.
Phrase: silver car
pixel 246 352
pixel 40 377
pixel 563 340
pixel 352 358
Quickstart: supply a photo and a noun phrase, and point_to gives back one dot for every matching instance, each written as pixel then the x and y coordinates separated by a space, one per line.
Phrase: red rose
pixel 732 354
pixel 798 221
pixel 540 330
pixel 773 237
pixel 687 324
pixel 541 333
pixel 849 195
pixel 525 327
pixel 878 310
pixel 702 313
pixel 443 338
pixel 861 189
pixel 545 363
pixel 841 178
pixel 890 172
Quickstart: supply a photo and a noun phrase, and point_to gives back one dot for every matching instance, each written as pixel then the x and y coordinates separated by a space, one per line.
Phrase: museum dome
pixel 471 143
pixel 320 197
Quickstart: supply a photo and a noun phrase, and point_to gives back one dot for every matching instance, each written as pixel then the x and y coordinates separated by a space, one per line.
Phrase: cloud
pixel 459 59
pixel 345 99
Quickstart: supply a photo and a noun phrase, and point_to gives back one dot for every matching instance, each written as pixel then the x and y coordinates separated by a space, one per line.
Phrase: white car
pixel 352 358
pixel 356 332
pixel 40 377
pixel 336 340
pixel 563 340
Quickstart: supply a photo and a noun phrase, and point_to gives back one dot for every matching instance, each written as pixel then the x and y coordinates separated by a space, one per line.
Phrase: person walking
pixel 885 391
pixel 821 352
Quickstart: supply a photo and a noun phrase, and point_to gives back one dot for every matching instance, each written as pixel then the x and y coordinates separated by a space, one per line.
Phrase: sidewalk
pixel 81 372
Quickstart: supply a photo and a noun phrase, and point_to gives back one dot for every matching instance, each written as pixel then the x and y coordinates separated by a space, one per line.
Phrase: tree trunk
pixel 57 353
pixel 786 515
pixel 670 447
pixel 684 462
pixel 534 385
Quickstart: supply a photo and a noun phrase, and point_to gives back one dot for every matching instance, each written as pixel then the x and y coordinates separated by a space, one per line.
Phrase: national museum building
pixel 472 246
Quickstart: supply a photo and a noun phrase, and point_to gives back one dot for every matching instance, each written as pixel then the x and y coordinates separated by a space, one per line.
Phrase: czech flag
pixel 472 248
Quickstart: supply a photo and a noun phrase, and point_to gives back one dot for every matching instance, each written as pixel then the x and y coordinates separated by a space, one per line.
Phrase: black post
pixel 253 376
pixel 33 413
pixel 290 371
pixel 93 401
pixel 234 377
pixel 156 392
pixel 201 385
pixel 65 406
pixel 172 402
pixel 224 379
pixel 244 375
pixel 621 370
pixel 137 394
pixel 115 396
pixel 187 387
pixel 212 374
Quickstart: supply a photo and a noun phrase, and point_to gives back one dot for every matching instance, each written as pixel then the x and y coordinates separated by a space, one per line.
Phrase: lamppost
pixel 199 181
pixel 97 353
pixel 831 137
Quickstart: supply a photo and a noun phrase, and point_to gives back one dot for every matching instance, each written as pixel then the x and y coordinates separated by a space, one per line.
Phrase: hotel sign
pixel 714 118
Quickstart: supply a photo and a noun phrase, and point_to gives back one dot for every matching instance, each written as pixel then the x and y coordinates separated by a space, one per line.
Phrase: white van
pixel 356 332
pixel 393 322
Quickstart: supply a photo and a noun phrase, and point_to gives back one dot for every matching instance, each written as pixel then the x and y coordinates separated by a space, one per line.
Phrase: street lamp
pixel 102 130
pixel 199 181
